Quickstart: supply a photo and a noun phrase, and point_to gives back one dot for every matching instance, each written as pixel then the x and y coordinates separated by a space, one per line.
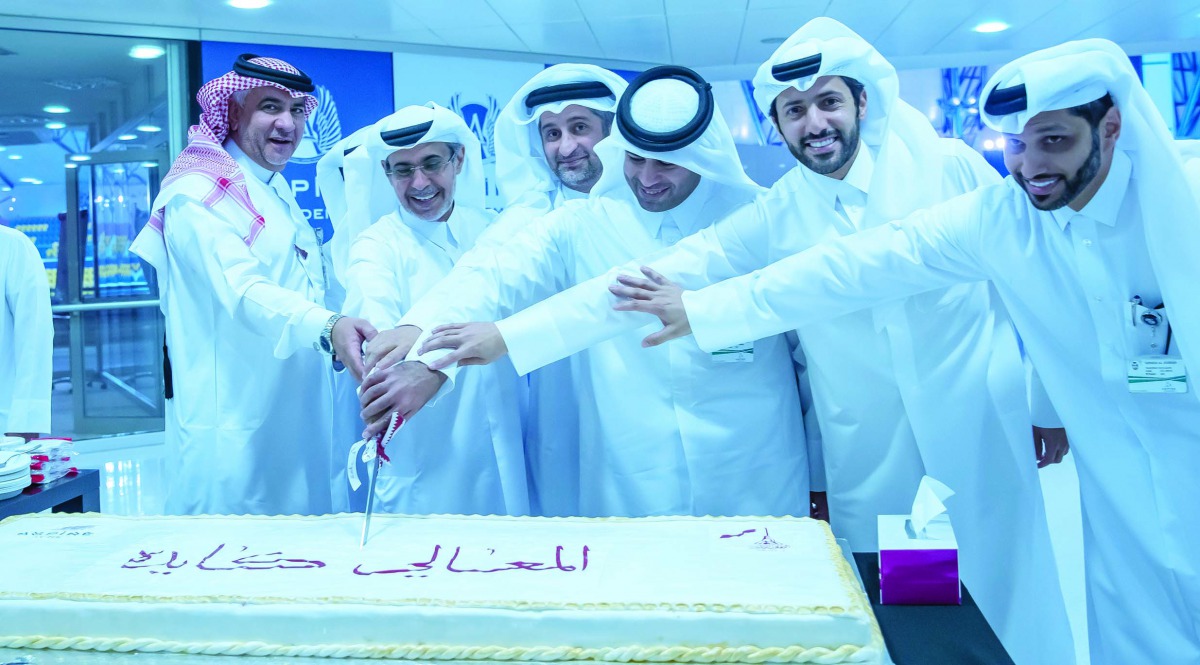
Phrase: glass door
pixel 86 125
pixel 109 299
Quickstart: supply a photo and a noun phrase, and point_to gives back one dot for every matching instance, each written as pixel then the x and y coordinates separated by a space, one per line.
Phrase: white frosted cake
pixel 673 589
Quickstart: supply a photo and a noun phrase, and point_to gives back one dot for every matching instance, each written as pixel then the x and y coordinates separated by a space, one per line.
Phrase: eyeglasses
pixel 430 167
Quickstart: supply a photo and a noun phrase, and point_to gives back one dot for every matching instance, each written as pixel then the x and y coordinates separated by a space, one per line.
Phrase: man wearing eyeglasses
pixel 420 175
pixel 665 432
pixel 423 179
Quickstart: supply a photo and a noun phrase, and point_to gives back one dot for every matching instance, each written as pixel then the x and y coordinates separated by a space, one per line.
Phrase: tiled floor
pixel 133 482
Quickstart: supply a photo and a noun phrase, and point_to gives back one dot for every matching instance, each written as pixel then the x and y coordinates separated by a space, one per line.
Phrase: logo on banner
pixel 321 131
pixel 767 133
pixel 481 118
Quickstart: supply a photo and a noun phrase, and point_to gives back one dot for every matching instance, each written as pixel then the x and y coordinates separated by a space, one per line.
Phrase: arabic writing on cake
pixel 458 559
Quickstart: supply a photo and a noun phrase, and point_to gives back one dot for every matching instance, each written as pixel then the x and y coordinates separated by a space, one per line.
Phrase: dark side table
pixel 77 493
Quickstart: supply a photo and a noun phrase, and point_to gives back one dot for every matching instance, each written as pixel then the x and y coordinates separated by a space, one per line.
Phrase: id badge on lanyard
pixel 1153 370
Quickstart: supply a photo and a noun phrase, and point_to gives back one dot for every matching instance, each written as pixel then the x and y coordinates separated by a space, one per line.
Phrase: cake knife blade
pixel 376 461
pixel 373 472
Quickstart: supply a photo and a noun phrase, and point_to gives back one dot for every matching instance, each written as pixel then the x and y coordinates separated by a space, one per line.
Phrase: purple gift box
pixel 918 569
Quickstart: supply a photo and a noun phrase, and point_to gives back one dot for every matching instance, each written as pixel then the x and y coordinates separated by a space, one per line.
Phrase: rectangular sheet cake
pixel 674 589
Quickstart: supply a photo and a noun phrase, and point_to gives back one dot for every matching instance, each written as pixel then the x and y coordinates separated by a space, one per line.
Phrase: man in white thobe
pixel 880 377
pixel 1092 245
pixel 545 156
pixel 241 283
pixel 544 142
pixel 27 337
pixel 463 455
pixel 673 430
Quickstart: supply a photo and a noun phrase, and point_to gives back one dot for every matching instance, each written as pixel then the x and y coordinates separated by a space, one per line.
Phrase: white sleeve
pixel 373 285
pixel 211 248
pixel 583 315
pixel 931 249
pixel 491 281
pixel 974 171
pixel 27 295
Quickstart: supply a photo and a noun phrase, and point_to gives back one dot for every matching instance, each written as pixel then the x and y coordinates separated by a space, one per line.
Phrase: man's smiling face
pixel 821 124
pixel 1060 158
pixel 658 186
pixel 567 140
pixel 425 177
pixel 267 126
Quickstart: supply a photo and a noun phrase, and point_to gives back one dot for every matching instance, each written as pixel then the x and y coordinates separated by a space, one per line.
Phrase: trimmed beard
pixel 576 179
pixel 826 166
pixel 1071 186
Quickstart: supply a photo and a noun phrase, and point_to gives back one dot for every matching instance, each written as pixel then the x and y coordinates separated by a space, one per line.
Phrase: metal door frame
pixel 76 307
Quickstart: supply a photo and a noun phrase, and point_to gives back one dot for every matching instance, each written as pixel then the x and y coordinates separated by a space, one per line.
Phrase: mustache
pixel 827 134
pixel 1039 176
pixel 432 189
pixel 575 154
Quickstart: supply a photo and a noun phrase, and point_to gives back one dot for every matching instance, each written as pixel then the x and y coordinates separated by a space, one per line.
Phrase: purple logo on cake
pixel 764 543
pixel 768 543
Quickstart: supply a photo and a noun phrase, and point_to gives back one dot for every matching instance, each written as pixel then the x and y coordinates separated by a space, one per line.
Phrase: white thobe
pixel 669 430
pixel 551 411
pixel 1067 280
pixel 880 380
pixel 464 454
pixel 346 425
pixel 248 430
pixel 26 335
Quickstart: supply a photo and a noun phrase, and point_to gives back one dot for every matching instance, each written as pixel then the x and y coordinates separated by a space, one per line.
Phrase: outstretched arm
pixel 486 282
pixel 931 249
pixel 469 344
pixel 583 315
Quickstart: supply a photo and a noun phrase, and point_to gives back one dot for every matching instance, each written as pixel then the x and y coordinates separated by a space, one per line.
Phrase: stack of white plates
pixel 9 443
pixel 14 474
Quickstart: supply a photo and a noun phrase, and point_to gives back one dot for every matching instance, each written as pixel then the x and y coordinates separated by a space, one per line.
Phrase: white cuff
pixel 715 324
pixel 311 325
pixel 414 355
pixel 531 343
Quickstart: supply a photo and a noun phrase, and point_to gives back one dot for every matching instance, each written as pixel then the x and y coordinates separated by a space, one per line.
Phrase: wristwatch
pixel 327 333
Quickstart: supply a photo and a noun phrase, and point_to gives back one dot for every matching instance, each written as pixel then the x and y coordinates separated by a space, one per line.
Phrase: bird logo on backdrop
pixel 481 118
pixel 321 131
pixel 767 133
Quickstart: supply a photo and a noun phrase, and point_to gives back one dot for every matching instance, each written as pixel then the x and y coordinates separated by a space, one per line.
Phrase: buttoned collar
pixel 443 234
pixel 686 215
pixel 565 193
pixel 856 182
pixel 1106 204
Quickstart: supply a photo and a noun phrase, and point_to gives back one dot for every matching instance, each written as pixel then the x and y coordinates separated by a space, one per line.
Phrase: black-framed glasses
pixel 429 167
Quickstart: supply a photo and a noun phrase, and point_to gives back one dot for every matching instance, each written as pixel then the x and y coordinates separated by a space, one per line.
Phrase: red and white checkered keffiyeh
pixel 204 155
